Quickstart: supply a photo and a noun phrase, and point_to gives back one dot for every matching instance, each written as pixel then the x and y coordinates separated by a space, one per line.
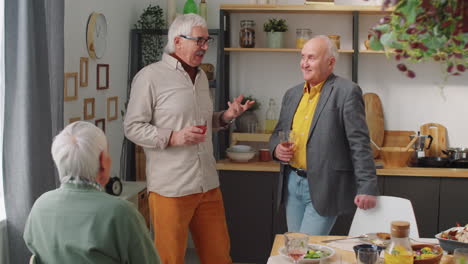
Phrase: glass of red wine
pixel 287 139
pixel 296 245
pixel 200 123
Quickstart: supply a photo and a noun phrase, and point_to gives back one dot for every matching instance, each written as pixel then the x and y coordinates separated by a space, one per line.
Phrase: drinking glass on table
pixel 460 256
pixel 287 139
pixel 296 245
pixel 368 256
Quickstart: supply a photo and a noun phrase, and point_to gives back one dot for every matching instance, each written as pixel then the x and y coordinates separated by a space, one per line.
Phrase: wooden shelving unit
pixel 273 50
pixel 301 9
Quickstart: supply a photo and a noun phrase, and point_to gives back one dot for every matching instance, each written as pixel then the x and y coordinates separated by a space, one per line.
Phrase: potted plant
pixel 425 30
pixel 151 43
pixel 275 29
pixel 245 122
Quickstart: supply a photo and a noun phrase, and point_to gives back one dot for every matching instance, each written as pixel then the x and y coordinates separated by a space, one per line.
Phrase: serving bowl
pixel 433 260
pixel 240 148
pixel 240 156
pixel 395 157
pixel 450 245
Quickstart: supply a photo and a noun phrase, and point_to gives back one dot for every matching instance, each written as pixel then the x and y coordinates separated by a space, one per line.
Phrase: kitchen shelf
pixel 309 8
pixel 274 50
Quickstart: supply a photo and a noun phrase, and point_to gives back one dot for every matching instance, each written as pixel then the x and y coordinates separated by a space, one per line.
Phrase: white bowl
pixel 240 156
pixel 240 148
pixel 329 250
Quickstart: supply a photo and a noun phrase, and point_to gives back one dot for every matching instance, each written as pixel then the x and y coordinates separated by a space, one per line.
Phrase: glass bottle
pixel 247 34
pixel 399 251
pixel 271 119
pixel 302 35
pixel 190 7
pixel 202 10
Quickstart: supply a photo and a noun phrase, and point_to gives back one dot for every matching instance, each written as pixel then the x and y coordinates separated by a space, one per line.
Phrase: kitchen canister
pixel 247 34
pixel 302 35
pixel 335 39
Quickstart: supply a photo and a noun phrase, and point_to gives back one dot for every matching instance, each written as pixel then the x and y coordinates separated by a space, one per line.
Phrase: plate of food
pixel 314 254
pixel 455 237
pixel 379 239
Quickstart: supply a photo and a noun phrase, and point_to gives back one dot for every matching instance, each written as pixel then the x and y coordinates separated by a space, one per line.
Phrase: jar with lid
pixel 335 39
pixel 247 34
pixel 302 35
pixel 399 251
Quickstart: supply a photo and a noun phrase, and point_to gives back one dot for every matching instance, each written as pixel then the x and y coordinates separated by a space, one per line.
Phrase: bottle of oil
pixel 399 251
pixel 271 118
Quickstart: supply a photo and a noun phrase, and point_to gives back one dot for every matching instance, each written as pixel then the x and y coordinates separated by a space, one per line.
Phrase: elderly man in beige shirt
pixel 166 101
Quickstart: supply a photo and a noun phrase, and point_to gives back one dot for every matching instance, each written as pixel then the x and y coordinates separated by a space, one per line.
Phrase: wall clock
pixel 96 35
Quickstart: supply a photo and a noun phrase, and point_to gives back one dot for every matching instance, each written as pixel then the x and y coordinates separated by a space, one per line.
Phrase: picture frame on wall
pixel 84 65
pixel 112 108
pixel 70 86
pixel 73 119
pixel 88 108
pixel 102 76
pixel 101 123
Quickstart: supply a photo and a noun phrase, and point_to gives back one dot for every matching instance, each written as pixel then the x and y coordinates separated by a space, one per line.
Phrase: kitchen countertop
pixel 273 166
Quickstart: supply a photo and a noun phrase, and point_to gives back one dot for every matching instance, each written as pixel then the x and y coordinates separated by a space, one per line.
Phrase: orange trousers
pixel 203 213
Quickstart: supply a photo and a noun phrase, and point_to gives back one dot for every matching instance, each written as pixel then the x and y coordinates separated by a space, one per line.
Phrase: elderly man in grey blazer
pixel 329 169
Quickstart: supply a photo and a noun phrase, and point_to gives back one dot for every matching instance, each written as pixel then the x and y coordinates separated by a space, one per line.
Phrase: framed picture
pixel 112 108
pixel 70 86
pixel 84 71
pixel 88 108
pixel 101 123
pixel 102 79
pixel 73 119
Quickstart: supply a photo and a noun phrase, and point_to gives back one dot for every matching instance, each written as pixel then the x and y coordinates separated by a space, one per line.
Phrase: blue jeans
pixel 301 215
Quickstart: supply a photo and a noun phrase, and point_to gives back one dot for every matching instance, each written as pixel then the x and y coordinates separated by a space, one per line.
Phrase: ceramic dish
pixel 323 248
pixel 378 239
pixel 450 245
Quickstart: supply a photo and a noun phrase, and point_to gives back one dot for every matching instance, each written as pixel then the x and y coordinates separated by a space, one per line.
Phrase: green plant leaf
pixel 375 44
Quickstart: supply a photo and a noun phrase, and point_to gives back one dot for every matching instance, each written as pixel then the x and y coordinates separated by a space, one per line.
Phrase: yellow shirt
pixel 302 121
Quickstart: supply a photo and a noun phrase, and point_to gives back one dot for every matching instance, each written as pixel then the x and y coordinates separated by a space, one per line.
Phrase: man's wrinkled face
pixel 189 50
pixel 316 62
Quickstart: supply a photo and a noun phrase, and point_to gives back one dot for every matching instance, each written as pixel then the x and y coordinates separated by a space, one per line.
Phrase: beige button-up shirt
pixel 164 99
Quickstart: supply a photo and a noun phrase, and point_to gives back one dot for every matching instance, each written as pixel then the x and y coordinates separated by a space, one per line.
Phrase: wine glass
pixel 460 256
pixel 287 139
pixel 296 245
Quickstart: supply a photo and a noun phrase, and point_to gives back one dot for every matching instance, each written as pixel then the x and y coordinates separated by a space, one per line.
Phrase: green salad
pixel 315 254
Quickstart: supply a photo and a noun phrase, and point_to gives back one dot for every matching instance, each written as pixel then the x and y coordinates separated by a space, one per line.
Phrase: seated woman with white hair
pixel 78 222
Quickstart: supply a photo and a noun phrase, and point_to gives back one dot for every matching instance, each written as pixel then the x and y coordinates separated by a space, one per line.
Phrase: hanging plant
pixel 151 44
pixel 425 30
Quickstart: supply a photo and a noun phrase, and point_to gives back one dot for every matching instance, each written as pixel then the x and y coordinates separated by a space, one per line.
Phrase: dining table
pixel 341 256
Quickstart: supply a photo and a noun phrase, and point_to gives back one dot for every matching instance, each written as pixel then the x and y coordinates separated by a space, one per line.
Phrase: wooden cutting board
pixel 439 142
pixel 375 120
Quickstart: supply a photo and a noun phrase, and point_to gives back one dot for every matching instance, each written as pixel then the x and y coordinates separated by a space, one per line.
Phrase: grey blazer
pixel 339 157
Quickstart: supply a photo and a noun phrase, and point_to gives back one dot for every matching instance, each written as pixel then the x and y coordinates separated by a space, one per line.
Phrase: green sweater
pixel 79 224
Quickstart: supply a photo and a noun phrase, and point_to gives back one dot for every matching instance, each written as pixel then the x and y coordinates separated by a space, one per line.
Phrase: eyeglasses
pixel 200 40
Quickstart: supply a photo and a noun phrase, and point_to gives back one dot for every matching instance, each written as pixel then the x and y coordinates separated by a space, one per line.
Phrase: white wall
pixel 121 16
pixel 408 103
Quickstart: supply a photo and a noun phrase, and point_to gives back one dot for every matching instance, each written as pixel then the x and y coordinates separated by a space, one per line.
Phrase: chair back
pixel 379 218
pixel 32 260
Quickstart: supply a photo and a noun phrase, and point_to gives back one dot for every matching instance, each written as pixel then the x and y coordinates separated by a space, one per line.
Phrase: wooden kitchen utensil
pixel 375 120
pixel 397 138
pixel 439 142
pixel 411 143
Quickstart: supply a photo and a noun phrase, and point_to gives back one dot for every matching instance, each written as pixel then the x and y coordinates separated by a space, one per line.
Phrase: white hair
pixel 331 47
pixel 76 150
pixel 183 25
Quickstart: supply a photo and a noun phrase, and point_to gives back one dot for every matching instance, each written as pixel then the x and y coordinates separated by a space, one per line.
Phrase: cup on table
pixel 460 256
pixel 356 248
pixel 296 245
pixel 264 155
pixel 368 256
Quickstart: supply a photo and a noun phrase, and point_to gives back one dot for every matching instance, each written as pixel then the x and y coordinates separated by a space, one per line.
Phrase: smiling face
pixel 188 50
pixel 316 62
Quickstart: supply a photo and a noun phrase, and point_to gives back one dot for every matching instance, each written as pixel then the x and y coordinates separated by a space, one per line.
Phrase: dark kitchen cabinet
pixel 453 198
pixel 249 201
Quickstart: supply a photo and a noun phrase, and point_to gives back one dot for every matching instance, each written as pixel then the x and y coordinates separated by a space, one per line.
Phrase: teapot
pixel 421 141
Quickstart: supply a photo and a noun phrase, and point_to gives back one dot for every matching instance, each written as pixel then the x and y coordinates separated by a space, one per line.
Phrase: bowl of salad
pixel 427 254
pixel 314 255
pixel 455 237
